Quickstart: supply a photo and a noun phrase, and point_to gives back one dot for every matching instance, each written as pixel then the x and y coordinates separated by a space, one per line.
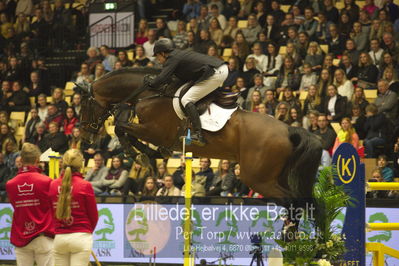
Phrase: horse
pixel 276 160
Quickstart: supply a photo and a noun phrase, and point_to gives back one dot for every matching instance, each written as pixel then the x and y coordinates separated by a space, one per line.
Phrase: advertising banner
pixel 6 249
pixel 134 232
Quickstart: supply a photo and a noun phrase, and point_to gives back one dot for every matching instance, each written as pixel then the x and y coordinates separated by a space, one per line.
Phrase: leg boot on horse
pixel 196 135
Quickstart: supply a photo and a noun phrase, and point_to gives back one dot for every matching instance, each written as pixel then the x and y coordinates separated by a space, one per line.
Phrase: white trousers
pixel 203 88
pixel 72 249
pixel 39 249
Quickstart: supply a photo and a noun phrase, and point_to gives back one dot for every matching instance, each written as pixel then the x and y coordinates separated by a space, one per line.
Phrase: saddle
pixel 221 97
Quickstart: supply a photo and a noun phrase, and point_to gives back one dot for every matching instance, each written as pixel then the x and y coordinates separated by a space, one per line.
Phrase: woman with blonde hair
pixel 242 44
pixel 314 56
pixel 57 98
pixel 141 36
pixel 282 113
pixel 253 104
pixel 391 77
pixel 76 213
pixel 99 71
pixel 359 99
pixel 291 51
pixel 367 74
pixel 312 101
pixel 232 28
pixel 22 24
pixel 150 187
pixel 216 31
pixel 376 30
pixel 346 134
pixel 137 175
pixel 162 171
pixel 325 80
pixel 344 86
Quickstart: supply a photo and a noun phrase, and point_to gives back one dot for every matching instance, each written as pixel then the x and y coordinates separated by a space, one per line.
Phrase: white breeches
pixel 39 250
pixel 203 88
pixel 72 249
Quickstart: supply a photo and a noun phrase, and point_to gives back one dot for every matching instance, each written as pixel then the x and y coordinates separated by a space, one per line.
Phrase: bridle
pixel 93 126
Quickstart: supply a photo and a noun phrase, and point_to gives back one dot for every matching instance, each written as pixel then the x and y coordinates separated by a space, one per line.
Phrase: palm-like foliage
pixel 330 199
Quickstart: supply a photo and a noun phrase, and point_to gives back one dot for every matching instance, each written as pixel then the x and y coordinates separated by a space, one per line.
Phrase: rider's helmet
pixel 163 45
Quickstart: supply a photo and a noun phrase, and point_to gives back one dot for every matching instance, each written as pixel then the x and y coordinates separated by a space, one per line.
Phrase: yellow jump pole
pixel 382 226
pixel 95 259
pixel 382 185
pixel 188 260
pixel 54 165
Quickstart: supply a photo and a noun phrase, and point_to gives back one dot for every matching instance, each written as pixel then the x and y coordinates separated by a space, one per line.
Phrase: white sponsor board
pixel 114 29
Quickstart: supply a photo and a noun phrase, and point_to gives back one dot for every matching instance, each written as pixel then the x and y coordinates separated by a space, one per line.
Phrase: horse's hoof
pixel 142 159
pixel 165 152
pixel 198 143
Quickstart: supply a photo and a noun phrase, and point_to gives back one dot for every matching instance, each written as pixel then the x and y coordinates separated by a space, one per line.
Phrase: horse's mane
pixel 131 70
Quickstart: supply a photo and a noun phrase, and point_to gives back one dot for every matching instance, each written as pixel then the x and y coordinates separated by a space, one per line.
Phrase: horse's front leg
pixel 129 141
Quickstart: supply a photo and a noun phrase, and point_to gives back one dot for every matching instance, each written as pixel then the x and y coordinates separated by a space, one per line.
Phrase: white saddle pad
pixel 212 120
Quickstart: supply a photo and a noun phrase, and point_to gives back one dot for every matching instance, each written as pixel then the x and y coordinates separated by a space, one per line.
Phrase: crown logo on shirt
pixel 25 188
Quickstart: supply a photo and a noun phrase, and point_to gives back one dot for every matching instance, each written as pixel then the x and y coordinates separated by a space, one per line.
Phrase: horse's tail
pixel 302 166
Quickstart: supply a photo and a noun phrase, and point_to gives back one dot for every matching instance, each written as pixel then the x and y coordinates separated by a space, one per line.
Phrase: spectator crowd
pixel 330 67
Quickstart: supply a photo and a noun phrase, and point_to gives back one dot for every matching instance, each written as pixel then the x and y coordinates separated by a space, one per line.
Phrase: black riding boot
pixel 196 135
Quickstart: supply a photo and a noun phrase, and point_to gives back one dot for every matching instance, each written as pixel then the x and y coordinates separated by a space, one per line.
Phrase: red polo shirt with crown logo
pixel 28 193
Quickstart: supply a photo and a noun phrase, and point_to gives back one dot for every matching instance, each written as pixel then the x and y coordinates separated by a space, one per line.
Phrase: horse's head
pixel 92 115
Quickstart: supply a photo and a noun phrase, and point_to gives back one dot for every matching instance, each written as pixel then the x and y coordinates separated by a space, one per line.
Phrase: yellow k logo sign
pixel 344 172
pixel 345 166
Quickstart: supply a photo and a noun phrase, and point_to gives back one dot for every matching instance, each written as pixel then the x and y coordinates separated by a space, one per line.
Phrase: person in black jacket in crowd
pixel 336 41
pixel 40 29
pixel 250 73
pixel 30 126
pixel 206 171
pixel 367 72
pixel 375 126
pixel 4 174
pixel 19 99
pixel 358 120
pixel 349 68
pixel 325 132
pixel 178 175
pixel 55 140
pixel 203 73
pixel 38 138
pixel 335 105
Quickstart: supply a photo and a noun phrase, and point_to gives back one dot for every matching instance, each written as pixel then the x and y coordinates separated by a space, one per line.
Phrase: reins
pixel 93 127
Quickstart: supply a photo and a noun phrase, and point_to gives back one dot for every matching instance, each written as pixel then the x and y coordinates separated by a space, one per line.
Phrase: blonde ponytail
pixel 63 211
pixel 72 160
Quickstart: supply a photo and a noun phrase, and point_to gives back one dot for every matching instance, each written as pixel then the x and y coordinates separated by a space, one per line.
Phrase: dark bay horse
pixel 276 160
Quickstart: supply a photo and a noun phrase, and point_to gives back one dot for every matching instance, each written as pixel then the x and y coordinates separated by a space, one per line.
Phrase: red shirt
pixel 84 215
pixel 28 194
pixel 69 125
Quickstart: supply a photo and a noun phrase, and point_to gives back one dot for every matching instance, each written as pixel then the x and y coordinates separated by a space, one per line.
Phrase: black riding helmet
pixel 163 45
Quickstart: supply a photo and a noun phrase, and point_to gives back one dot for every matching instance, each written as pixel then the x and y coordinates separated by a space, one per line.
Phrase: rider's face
pixel 161 58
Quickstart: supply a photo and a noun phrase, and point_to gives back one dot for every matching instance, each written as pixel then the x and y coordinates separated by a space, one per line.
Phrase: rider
pixel 207 73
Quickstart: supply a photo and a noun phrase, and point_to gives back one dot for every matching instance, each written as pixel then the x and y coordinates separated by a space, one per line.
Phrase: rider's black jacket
pixel 187 66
